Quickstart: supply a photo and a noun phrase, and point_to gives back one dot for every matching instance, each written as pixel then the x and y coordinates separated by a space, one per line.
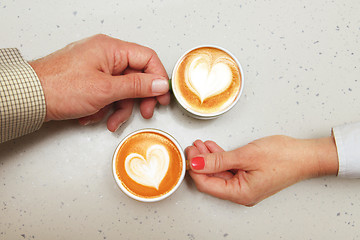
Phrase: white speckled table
pixel 302 69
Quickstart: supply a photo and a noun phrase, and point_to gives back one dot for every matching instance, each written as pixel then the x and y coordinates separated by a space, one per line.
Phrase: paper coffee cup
pixel 149 165
pixel 207 81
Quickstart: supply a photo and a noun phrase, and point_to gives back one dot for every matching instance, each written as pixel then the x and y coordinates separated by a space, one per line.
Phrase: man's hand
pixel 88 78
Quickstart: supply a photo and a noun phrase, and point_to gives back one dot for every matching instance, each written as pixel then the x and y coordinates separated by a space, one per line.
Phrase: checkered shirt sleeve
pixel 22 101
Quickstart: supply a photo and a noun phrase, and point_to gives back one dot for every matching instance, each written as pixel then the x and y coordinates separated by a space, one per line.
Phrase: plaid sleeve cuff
pixel 22 101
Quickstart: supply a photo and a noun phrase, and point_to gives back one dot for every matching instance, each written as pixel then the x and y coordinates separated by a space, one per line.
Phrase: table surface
pixel 301 61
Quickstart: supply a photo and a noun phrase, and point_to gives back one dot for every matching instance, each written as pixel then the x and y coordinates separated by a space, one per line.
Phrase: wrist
pixel 325 156
pixel 37 69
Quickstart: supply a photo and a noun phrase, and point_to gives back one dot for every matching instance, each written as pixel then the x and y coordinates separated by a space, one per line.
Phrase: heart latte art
pixel 149 164
pixel 207 80
pixel 150 171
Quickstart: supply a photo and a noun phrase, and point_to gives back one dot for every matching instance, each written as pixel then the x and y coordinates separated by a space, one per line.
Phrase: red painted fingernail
pixel 198 163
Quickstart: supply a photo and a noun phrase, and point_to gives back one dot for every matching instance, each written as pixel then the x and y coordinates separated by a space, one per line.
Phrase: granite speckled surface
pixel 302 69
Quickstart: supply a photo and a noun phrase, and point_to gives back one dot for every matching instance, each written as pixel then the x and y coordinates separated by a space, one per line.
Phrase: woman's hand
pixel 260 169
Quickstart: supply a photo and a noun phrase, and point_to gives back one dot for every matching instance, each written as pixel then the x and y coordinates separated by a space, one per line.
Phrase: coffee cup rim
pixel 166 195
pixel 207 115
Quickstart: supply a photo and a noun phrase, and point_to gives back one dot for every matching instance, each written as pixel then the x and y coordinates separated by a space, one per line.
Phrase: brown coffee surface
pixel 214 103
pixel 139 143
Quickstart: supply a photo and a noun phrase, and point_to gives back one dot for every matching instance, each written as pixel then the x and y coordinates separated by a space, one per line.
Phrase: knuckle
pixel 248 200
pixel 152 56
pixel 233 192
pixel 99 37
pixel 136 85
pixel 244 196
pixel 151 51
pixel 218 161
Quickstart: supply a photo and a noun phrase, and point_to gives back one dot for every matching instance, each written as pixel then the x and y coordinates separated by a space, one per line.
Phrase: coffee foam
pixel 208 80
pixel 144 146
pixel 150 171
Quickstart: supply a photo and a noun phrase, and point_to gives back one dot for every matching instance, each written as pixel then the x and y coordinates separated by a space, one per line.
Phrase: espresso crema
pixel 207 80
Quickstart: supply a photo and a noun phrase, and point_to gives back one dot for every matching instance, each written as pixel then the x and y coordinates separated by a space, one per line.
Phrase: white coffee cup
pixel 142 139
pixel 218 59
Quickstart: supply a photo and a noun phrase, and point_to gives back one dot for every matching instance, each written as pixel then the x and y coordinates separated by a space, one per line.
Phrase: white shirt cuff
pixel 347 139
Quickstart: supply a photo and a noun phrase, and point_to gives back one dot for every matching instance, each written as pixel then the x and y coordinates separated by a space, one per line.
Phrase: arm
pixel 84 81
pixel 22 102
pixel 261 168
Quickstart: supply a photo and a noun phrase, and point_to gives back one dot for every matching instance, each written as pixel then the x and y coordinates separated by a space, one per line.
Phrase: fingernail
pixel 160 86
pixel 120 125
pixel 85 123
pixel 198 163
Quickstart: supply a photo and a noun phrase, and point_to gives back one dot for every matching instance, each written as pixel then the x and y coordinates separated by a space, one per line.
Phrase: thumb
pixel 215 162
pixel 139 85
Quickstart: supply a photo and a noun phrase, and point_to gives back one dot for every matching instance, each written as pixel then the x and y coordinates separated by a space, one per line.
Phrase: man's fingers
pixel 146 59
pixel 164 99
pixel 138 85
pixel 97 117
pixel 122 113
pixel 147 107
pixel 131 55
